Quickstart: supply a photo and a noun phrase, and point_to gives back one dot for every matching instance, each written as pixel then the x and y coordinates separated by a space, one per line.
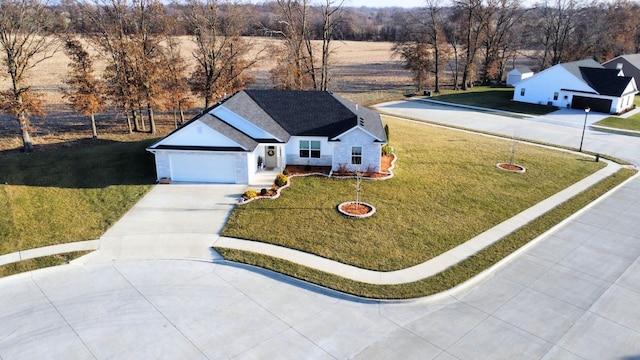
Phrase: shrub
pixel 263 192
pixel 307 167
pixel 285 172
pixel 281 180
pixel 342 168
pixel 249 194
pixel 387 150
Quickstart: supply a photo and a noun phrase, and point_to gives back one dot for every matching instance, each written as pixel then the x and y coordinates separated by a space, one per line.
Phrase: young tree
pixel 220 49
pixel 86 93
pixel 26 40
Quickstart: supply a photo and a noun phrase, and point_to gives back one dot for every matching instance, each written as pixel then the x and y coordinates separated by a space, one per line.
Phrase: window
pixel 309 149
pixel 522 92
pixel 555 96
pixel 356 155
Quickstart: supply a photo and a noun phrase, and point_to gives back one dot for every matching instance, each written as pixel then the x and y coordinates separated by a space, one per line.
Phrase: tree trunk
pixel 152 120
pixel 24 130
pixel 94 130
pixel 181 114
pixel 129 123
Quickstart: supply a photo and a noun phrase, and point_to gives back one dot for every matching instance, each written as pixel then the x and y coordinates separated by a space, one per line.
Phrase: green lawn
pixel 448 278
pixel 493 98
pixel 447 190
pixel 630 123
pixel 70 194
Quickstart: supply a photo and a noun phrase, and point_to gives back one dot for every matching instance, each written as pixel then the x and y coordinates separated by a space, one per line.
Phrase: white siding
pixel 198 134
pixel 540 89
pixel 292 152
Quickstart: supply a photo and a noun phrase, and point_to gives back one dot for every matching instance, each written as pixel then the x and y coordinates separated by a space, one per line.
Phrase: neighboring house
pixel 518 74
pixel 227 141
pixel 579 85
pixel 629 64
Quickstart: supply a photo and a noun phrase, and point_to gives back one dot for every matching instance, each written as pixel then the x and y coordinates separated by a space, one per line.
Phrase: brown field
pixel 357 67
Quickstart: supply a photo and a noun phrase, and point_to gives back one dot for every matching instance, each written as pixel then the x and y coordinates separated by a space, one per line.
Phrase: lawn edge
pixel 458 275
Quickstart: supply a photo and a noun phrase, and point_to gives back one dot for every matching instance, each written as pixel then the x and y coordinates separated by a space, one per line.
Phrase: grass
pixel 493 98
pixel 71 194
pixel 39 263
pixel 449 278
pixel 629 123
pixel 447 190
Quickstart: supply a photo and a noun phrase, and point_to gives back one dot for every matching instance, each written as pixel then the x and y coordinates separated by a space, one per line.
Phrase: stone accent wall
pixel 370 151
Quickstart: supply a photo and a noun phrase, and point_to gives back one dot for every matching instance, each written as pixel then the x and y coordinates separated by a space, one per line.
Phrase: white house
pixel 518 74
pixel 579 85
pixel 226 143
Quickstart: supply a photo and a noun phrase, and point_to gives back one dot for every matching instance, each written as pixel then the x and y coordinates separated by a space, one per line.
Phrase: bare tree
pixel 331 21
pixel 131 34
pixel 176 82
pixel 556 25
pixel 26 40
pixel 471 14
pixel 221 52
pixel 424 46
pixel 499 37
pixel 86 93
pixel 296 67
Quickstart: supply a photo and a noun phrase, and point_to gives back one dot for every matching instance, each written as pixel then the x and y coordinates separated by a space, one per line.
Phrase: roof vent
pixel 356 107
pixel 619 66
pixel 361 122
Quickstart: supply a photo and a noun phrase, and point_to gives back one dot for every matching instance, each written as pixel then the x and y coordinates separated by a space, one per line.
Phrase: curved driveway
pixel 574 295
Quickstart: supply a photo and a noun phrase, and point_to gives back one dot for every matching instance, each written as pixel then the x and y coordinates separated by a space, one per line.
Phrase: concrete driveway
pixel 178 221
pixel 574 295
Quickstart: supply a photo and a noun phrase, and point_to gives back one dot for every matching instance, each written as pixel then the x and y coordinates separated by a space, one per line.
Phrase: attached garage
pixel 596 104
pixel 203 167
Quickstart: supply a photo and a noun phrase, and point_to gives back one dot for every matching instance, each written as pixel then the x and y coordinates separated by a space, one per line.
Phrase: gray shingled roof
pixel 309 113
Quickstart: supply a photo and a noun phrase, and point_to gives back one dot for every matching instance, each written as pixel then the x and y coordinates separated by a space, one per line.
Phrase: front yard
pixel 446 190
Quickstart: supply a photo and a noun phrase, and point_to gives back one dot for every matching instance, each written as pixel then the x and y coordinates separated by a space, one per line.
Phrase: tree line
pixel 470 41
pixel 145 70
pixel 476 41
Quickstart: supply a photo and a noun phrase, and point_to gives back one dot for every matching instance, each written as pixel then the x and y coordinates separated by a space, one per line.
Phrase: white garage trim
pixel 203 167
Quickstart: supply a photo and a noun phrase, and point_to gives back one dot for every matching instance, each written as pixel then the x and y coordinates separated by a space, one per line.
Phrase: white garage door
pixel 210 168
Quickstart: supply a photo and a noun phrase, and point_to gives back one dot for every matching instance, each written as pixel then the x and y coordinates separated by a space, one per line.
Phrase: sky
pixel 385 3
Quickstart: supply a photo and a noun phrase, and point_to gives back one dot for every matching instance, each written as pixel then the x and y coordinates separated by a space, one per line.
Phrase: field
pixel 357 67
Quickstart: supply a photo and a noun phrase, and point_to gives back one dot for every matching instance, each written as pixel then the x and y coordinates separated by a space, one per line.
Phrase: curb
pixel 88 245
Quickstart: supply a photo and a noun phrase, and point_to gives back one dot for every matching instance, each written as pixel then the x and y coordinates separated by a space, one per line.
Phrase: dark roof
pixel 305 113
pixel 284 114
pixel 605 81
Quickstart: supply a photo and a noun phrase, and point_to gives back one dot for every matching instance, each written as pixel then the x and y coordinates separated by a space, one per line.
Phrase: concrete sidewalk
pixel 430 267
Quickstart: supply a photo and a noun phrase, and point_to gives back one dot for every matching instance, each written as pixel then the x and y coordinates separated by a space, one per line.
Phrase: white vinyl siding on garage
pixel 203 167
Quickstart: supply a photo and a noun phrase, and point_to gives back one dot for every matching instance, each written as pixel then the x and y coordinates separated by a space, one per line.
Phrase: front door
pixel 271 157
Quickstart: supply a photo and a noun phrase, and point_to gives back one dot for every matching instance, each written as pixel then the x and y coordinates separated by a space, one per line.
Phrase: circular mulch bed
pixel 357 210
pixel 511 167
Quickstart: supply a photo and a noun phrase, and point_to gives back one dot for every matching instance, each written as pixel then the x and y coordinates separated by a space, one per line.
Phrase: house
pixel 579 85
pixel 254 129
pixel 518 74
pixel 629 64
